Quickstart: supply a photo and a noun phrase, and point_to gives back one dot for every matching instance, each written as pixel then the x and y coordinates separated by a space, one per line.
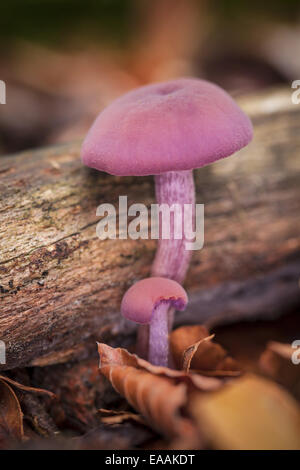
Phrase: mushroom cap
pixel 141 299
pixel 170 126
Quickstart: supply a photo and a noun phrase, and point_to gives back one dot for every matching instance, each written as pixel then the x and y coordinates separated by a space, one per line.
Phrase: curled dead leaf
pixel 189 353
pixel 119 356
pixel 192 349
pixel 158 393
pixel 250 413
pixel 11 416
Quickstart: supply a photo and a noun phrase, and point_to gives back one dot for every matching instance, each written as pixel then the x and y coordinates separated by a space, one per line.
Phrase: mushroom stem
pixel 158 336
pixel 171 259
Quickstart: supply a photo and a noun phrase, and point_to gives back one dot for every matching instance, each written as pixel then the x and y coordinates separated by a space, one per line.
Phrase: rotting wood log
pixel 61 286
pixel 265 297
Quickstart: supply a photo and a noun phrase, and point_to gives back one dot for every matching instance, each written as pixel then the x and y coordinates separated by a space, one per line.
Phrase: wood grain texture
pixel 61 286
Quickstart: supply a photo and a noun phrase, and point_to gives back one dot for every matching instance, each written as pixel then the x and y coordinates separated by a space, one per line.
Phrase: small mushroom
pixel 147 302
pixel 167 130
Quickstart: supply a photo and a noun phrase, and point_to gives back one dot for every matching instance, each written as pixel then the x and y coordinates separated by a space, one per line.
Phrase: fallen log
pixel 61 286
pixel 265 297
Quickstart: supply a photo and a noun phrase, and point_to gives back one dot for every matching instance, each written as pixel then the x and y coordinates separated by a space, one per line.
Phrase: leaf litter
pixel 207 402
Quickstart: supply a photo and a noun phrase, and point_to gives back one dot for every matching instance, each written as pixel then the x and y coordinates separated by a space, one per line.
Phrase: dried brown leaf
pixel 158 393
pixel 192 348
pixel 276 362
pixel 189 353
pixel 11 416
pixel 119 356
pixel 249 413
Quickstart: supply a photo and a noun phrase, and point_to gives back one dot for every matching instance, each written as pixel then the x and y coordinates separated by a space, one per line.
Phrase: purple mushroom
pixel 167 130
pixel 147 302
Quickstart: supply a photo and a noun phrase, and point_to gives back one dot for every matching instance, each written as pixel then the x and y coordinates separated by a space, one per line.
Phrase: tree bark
pixel 61 286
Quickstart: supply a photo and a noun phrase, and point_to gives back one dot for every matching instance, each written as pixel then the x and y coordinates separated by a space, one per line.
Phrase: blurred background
pixel 64 60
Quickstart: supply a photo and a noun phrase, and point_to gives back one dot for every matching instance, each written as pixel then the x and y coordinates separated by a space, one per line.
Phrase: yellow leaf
pixel 250 413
